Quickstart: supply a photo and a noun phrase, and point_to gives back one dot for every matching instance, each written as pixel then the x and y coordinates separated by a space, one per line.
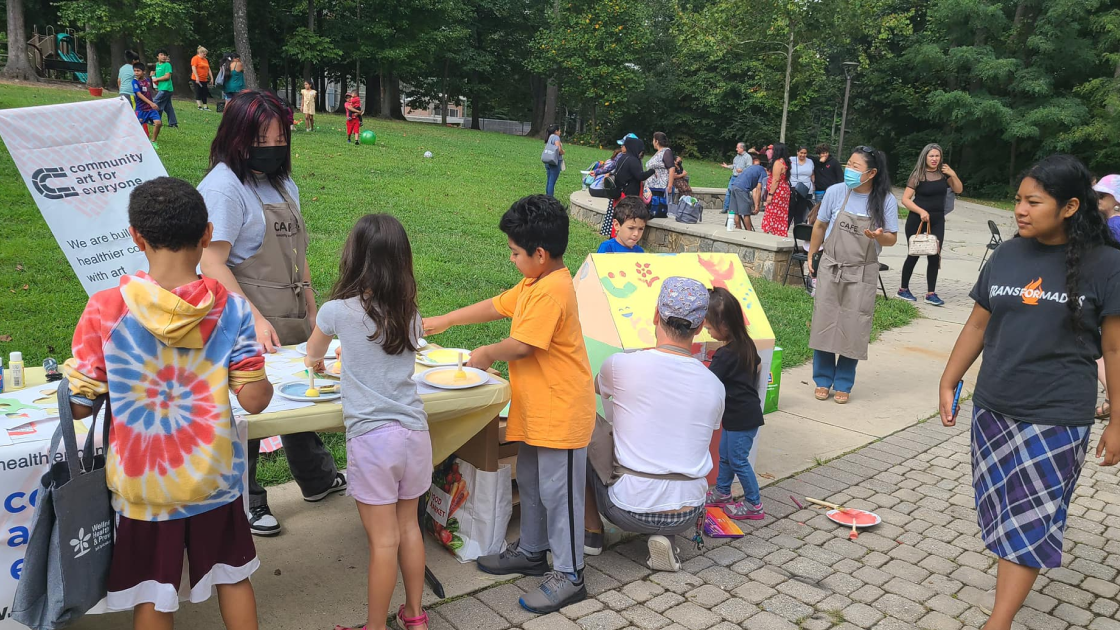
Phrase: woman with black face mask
pixel 259 250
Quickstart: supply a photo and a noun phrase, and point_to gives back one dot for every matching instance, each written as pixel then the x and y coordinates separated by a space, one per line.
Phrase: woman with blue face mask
pixel 856 219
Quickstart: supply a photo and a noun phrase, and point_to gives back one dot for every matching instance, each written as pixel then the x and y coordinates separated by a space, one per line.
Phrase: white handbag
pixel 924 244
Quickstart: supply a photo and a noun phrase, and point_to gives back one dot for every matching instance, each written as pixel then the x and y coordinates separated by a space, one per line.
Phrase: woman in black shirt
pixel 925 199
pixel 1047 306
pixel 628 173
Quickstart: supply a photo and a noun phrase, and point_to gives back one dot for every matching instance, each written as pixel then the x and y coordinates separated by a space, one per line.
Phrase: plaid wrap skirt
pixel 1023 475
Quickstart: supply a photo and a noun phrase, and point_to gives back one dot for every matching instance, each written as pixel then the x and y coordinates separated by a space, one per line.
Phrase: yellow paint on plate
pixel 445 356
pixel 450 377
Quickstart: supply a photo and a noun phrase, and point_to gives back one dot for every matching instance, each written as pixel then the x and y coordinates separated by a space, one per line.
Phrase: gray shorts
pixel 665 524
pixel 741 202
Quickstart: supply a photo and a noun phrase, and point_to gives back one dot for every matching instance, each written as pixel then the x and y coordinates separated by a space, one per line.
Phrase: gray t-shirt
pixel 377 388
pixel 801 173
pixel 236 212
pixel 857 204
pixel 554 140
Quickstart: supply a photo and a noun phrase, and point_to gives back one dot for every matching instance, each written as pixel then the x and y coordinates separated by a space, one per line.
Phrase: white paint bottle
pixel 15 365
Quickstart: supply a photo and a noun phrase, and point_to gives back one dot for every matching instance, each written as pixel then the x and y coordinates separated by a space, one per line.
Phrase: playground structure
pixel 53 55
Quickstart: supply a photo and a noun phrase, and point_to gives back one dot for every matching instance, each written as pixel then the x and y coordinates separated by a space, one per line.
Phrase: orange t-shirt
pixel 553 402
pixel 201 68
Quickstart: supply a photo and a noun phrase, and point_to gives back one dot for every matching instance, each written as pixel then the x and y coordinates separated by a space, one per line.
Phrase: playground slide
pixel 70 56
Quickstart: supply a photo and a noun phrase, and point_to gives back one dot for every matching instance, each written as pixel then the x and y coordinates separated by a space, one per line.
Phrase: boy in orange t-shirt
pixel 552 412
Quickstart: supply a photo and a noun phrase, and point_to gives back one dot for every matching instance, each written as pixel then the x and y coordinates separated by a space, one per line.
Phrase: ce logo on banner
pixel 41 177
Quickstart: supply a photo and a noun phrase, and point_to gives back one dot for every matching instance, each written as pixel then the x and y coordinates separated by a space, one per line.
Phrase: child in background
pixel 737 365
pixel 630 218
pixel 147 112
pixel 354 113
pixel 373 312
pixel 308 107
pixel 552 411
pixel 168 347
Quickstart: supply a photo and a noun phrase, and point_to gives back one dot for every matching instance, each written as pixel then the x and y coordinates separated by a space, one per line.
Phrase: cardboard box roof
pixel 617 295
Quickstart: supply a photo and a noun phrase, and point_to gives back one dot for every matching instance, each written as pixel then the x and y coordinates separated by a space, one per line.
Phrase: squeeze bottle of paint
pixel 15 364
pixel 730 222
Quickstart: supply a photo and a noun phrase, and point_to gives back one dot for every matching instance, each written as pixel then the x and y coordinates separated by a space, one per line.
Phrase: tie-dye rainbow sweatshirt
pixel 168 360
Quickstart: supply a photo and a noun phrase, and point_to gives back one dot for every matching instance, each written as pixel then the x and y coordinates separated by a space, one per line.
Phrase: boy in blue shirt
pixel 630 218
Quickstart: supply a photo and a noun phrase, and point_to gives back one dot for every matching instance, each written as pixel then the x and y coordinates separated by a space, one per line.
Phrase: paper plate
pixel 334 368
pixel 440 357
pixel 442 378
pixel 863 518
pixel 294 390
pixel 332 350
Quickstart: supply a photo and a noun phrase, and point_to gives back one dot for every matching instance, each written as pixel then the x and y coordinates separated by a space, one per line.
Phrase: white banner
pixel 80 161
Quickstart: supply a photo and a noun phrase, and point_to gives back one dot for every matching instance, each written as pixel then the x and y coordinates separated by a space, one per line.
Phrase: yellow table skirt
pixel 453 416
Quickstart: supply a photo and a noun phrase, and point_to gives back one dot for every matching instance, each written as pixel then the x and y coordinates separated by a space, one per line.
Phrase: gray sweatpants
pixel 552 483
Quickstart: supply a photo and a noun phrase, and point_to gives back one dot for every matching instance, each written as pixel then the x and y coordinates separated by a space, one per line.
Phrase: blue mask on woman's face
pixel 853 178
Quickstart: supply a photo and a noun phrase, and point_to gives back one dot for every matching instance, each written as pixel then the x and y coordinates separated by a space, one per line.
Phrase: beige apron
pixel 846 284
pixel 272 278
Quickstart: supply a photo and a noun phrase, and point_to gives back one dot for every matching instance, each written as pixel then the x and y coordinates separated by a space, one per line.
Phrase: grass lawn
pixel 450 205
pixel 1002 204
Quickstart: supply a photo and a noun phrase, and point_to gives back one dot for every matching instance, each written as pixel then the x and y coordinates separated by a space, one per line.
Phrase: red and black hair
pixel 246 117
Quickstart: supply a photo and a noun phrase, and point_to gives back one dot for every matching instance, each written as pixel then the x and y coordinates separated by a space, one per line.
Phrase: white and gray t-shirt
pixel 236 212
pixel 377 388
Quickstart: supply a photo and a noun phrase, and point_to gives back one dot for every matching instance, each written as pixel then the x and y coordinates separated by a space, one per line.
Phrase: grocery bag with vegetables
pixel 468 509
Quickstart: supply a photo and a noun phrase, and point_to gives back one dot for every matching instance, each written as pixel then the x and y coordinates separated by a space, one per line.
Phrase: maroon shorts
pixel 148 557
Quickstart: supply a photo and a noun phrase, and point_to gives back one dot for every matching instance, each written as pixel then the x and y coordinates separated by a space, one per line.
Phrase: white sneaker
pixel 262 522
pixel 662 555
pixel 339 485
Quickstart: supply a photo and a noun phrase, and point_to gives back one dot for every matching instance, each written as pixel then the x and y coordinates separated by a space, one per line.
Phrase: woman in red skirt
pixel 776 219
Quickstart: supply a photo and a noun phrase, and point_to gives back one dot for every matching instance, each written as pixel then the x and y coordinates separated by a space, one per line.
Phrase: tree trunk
pixel 93 65
pixel 180 69
pixel 386 96
pixel 18 67
pixel 310 27
pixel 396 111
pixel 322 91
pixel 475 122
pixel 373 95
pixel 1011 162
pixel 264 79
pixel 537 88
pixel 552 91
pixel 117 46
pixel 789 74
pixel 443 93
pixel 241 41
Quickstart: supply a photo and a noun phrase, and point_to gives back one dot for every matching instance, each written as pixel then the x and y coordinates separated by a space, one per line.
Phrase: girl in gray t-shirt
pixel 373 312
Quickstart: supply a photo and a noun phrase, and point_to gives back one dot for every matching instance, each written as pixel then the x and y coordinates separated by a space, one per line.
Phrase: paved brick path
pixel 924 567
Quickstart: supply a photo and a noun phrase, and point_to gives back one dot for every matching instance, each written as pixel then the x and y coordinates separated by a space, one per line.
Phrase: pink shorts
pixel 389 464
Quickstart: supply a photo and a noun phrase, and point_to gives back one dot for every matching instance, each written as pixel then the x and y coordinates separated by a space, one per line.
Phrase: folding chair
pixel 995 241
pixel 801 233
pixel 882 268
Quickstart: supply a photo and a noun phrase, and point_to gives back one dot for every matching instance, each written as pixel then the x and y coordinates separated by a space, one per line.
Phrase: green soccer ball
pixel 368 137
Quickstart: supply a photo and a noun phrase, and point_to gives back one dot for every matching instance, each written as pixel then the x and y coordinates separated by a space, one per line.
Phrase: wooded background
pixel 998 83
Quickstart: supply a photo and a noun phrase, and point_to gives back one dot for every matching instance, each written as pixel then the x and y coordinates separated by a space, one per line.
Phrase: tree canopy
pixel 998 83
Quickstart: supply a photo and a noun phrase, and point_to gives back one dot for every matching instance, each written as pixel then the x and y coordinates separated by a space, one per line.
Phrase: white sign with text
pixel 80 162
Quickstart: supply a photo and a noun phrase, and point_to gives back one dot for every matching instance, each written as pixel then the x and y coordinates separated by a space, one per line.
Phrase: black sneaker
pixel 262 522
pixel 592 543
pixel 555 592
pixel 514 561
pixel 339 485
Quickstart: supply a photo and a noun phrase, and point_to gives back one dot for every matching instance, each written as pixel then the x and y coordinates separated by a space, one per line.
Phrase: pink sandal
pixel 412 622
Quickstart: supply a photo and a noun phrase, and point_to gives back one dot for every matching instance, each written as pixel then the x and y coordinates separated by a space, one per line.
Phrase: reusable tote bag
pixel 70 548
pixel 924 244
pixel 469 509
pixel 550 155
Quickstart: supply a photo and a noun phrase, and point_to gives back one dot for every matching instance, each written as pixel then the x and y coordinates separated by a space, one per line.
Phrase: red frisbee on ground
pixel 862 518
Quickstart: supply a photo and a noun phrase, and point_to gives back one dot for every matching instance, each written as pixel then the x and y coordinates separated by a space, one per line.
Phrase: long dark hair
pixel 781 152
pixel 725 314
pixel 880 184
pixel 551 130
pixel 246 117
pixel 376 267
pixel 1065 178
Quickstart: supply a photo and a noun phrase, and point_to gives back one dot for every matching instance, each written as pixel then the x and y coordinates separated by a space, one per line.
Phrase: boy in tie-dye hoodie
pixel 168 347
